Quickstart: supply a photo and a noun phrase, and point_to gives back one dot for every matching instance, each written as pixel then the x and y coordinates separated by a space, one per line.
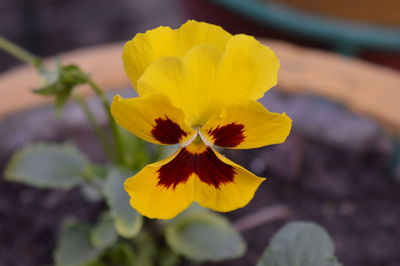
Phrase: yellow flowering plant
pixel 197 89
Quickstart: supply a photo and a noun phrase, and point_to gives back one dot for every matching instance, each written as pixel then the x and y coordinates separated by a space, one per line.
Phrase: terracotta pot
pixel 365 88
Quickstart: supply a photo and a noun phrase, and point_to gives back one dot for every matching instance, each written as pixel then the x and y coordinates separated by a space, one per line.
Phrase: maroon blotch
pixel 229 135
pixel 205 165
pixel 167 131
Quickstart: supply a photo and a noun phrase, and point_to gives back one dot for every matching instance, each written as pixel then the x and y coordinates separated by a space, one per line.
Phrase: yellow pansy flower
pixel 198 86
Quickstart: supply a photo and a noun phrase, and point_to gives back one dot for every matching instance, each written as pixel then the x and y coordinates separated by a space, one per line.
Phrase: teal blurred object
pixel 345 36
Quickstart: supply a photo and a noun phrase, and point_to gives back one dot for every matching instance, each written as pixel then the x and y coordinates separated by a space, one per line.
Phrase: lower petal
pixel 153 200
pixel 194 173
pixel 230 195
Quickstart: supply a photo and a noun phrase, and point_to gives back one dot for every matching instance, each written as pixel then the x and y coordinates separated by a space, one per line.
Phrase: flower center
pixel 197 138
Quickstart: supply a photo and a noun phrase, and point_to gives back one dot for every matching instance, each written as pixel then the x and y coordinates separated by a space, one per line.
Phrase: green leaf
pixel 103 234
pixel 147 249
pixel 91 193
pixel 95 176
pixel 74 247
pixel 203 236
pixel 127 220
pixel 122 254
pixel 95 172
pixel 300 244
pixel 168 258
pixel 47 166
pixel 97 262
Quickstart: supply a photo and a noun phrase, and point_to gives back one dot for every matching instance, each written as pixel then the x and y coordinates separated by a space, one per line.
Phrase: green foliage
pixel 60 83
pixel 47 166
pixel 147 249
pixel 168 258
pixel 204 236
pixel 121 254
pixel 95 176
pixel 91 192
pixel 128 221
pixel 300 244
pixel 103 234
pixel 74 246
pixel 137 153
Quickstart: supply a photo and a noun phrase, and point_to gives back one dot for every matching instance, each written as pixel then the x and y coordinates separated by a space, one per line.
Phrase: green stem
pixel 29 58
pixel 119 152
pixel 93 122
pixel 19 53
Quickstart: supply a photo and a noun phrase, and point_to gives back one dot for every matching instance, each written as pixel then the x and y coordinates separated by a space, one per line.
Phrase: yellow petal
pixel 194 173
pixel 147 47
pixel 153 200
pixel 194 33
pixel 189 83
pixel 247 125
pixel 228 196
pixel 152 118
pixel 247 70
pixel 207 79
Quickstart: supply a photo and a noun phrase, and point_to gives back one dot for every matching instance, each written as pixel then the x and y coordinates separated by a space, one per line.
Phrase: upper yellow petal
pixel 208 79
pixel 247 70
pixel 189 82
pixel 247 125
pixel 147 47
pixel 152 118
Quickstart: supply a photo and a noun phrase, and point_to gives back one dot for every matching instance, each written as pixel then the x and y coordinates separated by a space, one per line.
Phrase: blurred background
pixel 367 29
pixel 339 82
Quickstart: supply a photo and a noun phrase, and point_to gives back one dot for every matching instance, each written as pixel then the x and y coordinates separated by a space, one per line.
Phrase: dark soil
pixel 346 189
pixel 30 218
pixel 349 194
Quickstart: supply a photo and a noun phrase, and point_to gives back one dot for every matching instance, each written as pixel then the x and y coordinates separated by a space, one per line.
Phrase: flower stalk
pixel 19 53
pixel 119 151
pixel 25 56
pixel 95 125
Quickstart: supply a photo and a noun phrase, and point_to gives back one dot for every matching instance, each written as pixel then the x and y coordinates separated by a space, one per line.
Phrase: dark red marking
pixel 229 135
pixel 167 131
pixel 205 165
